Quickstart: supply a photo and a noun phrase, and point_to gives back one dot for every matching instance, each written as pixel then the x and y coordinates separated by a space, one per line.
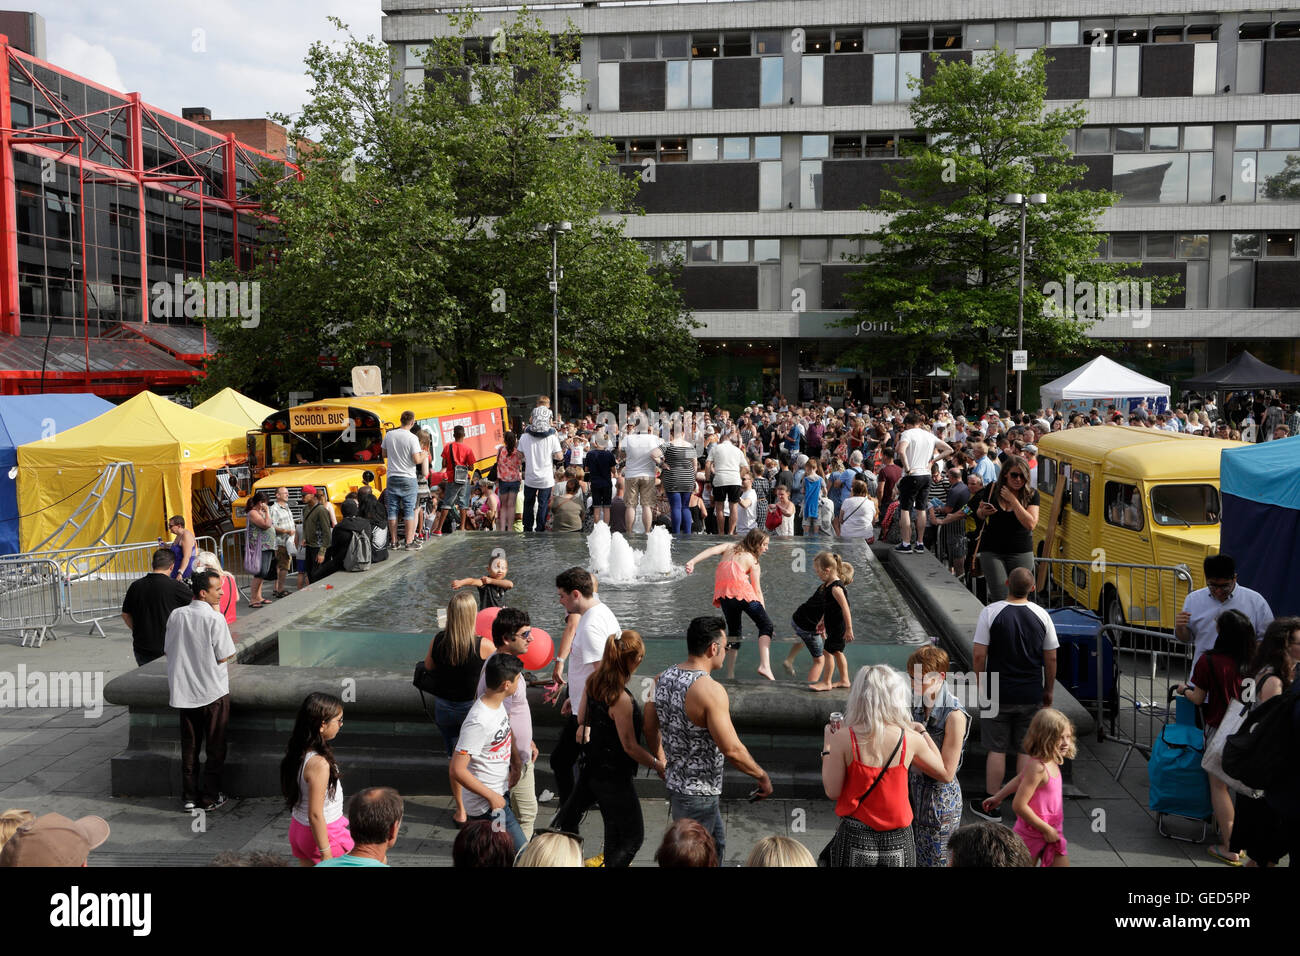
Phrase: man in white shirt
pixel 723 467
pixel 482 761
pixel 402 454
pixel 1196 621
pixel 541 452
pixel 197 646
pixel 919 449
pixel 643 452
pixel 283 523
pixel 576 590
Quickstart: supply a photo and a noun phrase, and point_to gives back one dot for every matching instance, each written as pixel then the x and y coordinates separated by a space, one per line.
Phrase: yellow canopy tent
pixel 168 445
pixel 230 406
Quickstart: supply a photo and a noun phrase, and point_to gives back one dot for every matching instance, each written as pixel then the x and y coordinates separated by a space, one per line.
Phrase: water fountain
pixel 615 561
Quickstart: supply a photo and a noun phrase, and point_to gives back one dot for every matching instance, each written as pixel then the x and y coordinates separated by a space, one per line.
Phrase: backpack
pixel 359 553
pixel 1261 754
pixel 891 529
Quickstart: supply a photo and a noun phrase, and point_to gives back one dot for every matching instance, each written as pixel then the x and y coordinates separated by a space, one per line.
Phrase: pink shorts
pixel 303 843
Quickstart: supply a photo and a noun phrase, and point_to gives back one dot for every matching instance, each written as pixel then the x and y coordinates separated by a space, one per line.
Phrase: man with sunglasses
pixel 1196 621
pixel 512 634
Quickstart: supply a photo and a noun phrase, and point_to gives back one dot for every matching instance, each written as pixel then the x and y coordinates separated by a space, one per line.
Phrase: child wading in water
pixel 737 589
pixel 825 623
pixel 492 587
pixel 1040 812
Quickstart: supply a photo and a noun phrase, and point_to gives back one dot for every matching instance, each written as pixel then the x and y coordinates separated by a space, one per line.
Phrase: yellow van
pixel 1113 496
pixel 332 443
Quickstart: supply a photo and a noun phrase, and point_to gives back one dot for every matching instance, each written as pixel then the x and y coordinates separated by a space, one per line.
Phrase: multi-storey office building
pixel 771 123
pixel 103 199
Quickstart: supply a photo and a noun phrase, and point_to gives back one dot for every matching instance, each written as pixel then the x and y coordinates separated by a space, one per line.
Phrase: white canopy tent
pixel 1103 381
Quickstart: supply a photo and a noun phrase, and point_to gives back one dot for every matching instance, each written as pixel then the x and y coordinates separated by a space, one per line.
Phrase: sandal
pixel 259 604
pixel 279 594
pixel 1218 855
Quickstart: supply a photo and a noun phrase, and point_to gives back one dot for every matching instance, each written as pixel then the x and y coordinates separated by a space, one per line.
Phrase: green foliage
pixel 419 224
pixel 946 272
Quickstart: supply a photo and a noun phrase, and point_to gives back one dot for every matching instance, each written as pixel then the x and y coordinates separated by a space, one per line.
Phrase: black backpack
pixel 1262 753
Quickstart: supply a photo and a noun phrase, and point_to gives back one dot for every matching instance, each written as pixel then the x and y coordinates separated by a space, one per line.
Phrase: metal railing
pixel 31 598
pixel 231 556
pixel 1154 592
pixel 1166 664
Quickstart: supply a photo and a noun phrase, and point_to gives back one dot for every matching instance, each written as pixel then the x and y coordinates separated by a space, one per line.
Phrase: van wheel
pixel 1112 611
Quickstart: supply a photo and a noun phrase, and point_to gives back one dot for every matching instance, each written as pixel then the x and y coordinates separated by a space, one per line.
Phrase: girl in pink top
pixel 1040 812
pixel 737 589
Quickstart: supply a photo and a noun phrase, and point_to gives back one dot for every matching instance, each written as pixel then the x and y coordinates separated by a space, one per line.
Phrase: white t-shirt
pixel 594 629
pixel 197 640
pixel 485 736
pixel 919 449
pixel 640 462
pixel 400 448
pixel 539 453
pixel 727 461
pixel 857 516
pixel 1205 611
pixel 745 518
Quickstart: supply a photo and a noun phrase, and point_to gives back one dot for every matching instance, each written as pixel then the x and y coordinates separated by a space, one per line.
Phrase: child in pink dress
pixel 1040 812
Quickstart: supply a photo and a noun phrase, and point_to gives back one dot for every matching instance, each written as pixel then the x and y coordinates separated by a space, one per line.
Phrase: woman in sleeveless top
pixel 455 657
pixel 183 547
pixel 737 589
pixel 936 803
pixel 309 780
pixel 679 479
pixel 786 508
pixel 510 472
pixel 864 770
pixel 609 728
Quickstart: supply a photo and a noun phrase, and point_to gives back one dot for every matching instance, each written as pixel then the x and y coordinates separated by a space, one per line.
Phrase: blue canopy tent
pixel 1260 485
pixel 29 418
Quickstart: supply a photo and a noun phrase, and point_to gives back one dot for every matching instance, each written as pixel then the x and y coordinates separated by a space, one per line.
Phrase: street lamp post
pixel 554 276
pixel 1024 202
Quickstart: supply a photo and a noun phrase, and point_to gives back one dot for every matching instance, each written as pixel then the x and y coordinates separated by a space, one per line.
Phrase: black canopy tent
pixel 1243 373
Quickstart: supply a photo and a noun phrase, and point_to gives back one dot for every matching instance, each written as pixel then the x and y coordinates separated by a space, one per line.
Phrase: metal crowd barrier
pixel 1160 589
pixel 231 556
pixel 1169 662
pixel 31 598
pixel 97 580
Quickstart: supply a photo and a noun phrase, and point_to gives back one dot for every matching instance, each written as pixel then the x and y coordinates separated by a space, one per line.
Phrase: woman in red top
pixel 1216 682
pixel 864 770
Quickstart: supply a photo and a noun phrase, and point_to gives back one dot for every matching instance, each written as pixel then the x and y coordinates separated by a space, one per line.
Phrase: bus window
pixel 1080 489
pixel 1185 505
pixel 1123 506
pixel 1047 475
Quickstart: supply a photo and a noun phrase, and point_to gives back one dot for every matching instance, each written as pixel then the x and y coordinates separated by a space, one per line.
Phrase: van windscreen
pixel 1185 505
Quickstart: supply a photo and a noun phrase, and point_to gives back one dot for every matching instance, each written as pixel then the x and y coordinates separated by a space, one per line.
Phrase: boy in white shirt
pixel 482 762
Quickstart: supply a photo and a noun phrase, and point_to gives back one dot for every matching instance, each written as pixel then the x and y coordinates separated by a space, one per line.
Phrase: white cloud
pixel 88 59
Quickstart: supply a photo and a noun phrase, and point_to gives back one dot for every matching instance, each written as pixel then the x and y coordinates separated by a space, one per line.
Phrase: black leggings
pixel 732 609
pixel 616 797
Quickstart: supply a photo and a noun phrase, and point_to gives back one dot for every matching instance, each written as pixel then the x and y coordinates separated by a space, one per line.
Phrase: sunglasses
pixel 1016 474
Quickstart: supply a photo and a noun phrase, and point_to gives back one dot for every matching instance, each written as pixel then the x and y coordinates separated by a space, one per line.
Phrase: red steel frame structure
pixel 41 141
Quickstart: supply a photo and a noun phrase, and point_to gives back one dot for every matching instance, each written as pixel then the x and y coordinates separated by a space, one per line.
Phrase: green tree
pixel 419 225
pixel 943 269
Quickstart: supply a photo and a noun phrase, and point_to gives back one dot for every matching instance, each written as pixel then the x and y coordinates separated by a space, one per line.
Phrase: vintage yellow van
pixel 1114 496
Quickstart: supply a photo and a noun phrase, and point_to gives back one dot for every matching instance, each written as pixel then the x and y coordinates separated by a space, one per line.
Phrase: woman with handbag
pixel 1257 830
pixel 864 770
pixel 452 666
pixel 780 517
pixel 1215 684
pixel 857 517
pixel 259 547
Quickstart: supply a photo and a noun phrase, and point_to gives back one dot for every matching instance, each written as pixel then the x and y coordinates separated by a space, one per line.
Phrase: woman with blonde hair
pixel 550 848
pixel 609 731
pixel 11 820
pixel 780 851
pixel 454 659
pixel 737 589
pixel 864 770
pixel 207 561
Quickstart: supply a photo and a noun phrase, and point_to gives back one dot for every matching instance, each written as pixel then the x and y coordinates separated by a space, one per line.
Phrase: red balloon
pixel 540 651
pixel 483 621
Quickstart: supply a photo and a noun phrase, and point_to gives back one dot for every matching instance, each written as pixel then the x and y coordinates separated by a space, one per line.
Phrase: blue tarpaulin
pixel 1260 485
pixel 29 418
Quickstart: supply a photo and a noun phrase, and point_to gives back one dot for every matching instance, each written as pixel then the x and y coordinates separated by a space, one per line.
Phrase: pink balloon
pixel 483 621
pixel 540 651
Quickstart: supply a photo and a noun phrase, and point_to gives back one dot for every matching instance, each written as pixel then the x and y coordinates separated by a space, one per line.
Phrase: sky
pixel 240 58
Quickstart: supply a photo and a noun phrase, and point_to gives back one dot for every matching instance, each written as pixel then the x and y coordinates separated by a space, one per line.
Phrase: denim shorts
pixel 401 497
pixel 507 487
pixel 811 639
pixel 454 494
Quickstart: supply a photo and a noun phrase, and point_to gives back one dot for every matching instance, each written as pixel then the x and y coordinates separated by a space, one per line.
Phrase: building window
pixel 607 84
pixel 612 48
pixel 1029 35
pixel 704 45
pixel 771 80
pixel 1250 68
pixel 735 147
pixel 812 250
pixel 1245 245
pixel 702 84
pixel 1126 245
pixel 769 185
pixel 704 148
pixel 735 250
pixel 883 82
pixel 736 44
pixel 679 86
pixel 767 43
pixel 704 250
pixel 643 46
pixel 1160 245
pixel 1129 139
pixel 847 147
pixel 946 38
pixel 1163 137
pixel 1280 244
pixel 1205 69
pixel 882 39
pixel 1094 139
pixel 672 151
pixel 1063 33
pixel 767 250
pixel 818 42
pixel 1194 245
pixel 848 41
pixel 810 184
pixel 767 147
pixel 979 36
pixel 1198 137
pixel 914 38
pixel 810 85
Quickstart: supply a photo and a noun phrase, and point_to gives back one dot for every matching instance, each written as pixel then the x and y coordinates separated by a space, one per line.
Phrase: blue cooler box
pixel 1076 661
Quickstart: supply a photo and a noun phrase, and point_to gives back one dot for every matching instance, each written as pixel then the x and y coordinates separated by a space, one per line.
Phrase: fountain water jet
pixel 615 561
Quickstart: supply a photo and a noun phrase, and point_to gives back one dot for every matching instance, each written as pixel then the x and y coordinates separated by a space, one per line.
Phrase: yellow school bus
pixel 1128 496
pixel 332 443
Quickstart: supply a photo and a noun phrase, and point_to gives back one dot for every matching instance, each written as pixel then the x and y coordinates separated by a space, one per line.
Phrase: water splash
pixel 615 561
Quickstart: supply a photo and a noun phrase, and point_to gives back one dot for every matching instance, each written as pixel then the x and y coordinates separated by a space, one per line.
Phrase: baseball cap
pixel 54 840
pixel 309 489
pixel 1032 449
